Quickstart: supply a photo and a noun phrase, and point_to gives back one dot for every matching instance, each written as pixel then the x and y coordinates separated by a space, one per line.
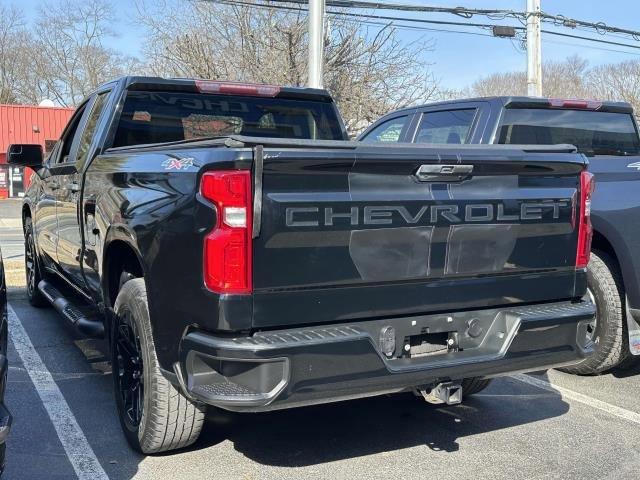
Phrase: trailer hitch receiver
pixel 447 392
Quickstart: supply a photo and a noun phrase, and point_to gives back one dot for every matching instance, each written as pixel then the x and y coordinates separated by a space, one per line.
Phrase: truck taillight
pixel 585 230
pixel 227 248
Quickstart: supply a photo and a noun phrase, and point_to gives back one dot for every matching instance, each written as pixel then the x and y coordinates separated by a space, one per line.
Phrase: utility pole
pixel 534 50
pixel 316 42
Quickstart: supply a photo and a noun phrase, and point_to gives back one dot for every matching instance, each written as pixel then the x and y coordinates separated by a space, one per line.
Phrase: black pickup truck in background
pixel 606 132
pixel 238 252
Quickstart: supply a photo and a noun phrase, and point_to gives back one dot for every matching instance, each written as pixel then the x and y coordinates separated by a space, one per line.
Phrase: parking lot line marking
pixel 79 452
pixel 579 397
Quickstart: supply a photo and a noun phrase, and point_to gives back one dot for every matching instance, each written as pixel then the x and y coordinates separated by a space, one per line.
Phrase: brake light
pixel 585 230
pixel 576 104
pixel 227 248
pixel 233 88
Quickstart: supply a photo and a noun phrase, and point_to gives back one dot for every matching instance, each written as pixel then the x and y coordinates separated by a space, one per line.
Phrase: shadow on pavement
pixel 288 438
pixel 630 371
pixel 326 433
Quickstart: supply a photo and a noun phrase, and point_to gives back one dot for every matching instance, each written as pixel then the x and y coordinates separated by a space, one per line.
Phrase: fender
pixel 118 232
pixel 623 255
pixel 121 231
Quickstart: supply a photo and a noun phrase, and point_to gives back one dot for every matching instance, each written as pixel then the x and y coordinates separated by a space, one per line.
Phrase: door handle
pixel 443 173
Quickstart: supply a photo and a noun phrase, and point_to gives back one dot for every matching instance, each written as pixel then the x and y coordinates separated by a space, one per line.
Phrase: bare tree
pixel 566 79
pixel 497 84
pixel 368 70
pixel 619 81
pixel 370 74
pixel 13 35
pixel 69 58
pixel 559 79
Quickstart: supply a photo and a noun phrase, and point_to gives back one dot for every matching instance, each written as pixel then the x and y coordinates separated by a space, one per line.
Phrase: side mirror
pixel 25 155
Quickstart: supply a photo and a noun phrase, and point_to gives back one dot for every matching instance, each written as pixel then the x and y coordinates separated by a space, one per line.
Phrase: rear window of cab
pixel 158 117
pixel 592 132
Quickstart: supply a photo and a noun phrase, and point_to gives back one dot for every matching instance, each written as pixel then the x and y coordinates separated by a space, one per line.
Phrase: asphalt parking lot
pixel 550 425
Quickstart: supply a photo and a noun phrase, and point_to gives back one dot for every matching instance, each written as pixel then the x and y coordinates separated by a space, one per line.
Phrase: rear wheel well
pixel 120 258
pixel 601 244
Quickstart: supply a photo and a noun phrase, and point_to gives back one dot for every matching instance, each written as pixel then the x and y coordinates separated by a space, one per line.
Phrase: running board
pixel 88 324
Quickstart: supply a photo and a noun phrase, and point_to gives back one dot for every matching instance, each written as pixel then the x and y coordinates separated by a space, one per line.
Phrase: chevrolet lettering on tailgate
pixel 425 214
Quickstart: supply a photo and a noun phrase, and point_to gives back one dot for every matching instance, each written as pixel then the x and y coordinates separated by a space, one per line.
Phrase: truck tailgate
pixel 381 231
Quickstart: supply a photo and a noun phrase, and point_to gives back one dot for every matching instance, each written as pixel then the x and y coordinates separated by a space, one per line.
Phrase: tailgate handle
pixel 443 173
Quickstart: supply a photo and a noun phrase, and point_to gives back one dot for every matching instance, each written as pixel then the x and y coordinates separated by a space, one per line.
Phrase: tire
pixel 155 417
pixel 32 267
pixel 610 332
pixel 471 386
pixel 3 447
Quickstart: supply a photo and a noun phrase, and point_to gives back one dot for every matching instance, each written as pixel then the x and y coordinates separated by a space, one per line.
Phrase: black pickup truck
pixel 238 252
pixel 606 132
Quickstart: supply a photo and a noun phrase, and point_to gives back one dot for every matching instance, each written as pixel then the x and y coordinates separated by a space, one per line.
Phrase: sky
pixel 458 59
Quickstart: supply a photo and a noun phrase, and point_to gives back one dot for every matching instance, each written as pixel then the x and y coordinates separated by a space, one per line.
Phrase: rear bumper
pixel 288 368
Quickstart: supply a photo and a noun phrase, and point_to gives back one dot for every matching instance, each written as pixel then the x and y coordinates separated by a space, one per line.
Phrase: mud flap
pixel 634 331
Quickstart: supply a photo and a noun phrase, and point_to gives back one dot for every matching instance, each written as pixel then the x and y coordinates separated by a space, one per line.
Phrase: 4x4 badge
pixel 178 163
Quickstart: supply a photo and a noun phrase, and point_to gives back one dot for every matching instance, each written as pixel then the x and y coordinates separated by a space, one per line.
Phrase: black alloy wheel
pixel 130 368
pixel 29 264
pixel 32 267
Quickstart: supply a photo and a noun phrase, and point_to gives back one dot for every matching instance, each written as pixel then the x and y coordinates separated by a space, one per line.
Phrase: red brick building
pixel 26 124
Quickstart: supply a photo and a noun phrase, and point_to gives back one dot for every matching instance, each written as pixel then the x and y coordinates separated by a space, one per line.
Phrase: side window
pixel 452 126
pixel 66 142
pixel 52 156
pixel 90 127
pixel 388 131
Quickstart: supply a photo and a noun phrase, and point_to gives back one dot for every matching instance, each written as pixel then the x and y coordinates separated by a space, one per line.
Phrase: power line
pixel 591 39
pixel 573 44
pixel 268 4
pixel 361 16
pixel 495 14
pixel 600 27
pixel 416 27
pixel 358 4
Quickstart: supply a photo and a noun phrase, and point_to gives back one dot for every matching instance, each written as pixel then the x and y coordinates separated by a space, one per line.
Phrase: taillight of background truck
pixel 227 248
pixel 585 230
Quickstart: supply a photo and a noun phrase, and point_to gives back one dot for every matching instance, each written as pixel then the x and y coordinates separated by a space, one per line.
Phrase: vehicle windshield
pixel 594 133
pixel 159 117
